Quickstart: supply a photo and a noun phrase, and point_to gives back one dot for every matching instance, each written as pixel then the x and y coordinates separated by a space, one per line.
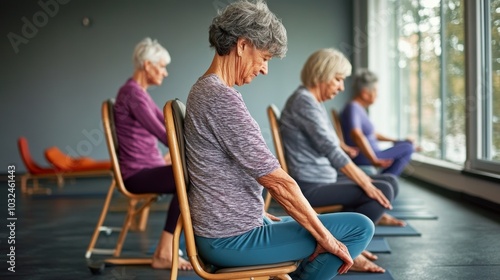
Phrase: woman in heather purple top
pixel 139 126
pixel 360 132
pixel 229 164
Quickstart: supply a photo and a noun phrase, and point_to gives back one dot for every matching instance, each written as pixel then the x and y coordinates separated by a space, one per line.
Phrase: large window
pixel 491 143
pixel 430 75
pixel 444 86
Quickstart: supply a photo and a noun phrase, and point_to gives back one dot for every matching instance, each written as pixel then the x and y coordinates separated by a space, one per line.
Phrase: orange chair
pixel 83 165
pixel 34 171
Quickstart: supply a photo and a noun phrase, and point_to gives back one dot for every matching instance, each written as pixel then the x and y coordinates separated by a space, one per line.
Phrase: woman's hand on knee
pixel 338 249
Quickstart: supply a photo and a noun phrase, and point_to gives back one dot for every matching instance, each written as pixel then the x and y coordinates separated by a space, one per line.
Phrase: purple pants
pixel 400 153
pixel 157 180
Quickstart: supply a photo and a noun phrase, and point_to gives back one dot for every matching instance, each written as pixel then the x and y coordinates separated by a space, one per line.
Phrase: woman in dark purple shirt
pixel 139 126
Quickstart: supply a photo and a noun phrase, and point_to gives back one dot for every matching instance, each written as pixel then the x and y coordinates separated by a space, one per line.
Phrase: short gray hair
pixel 364 78
pixel 323 65
pixel 149 50
pixel 252 21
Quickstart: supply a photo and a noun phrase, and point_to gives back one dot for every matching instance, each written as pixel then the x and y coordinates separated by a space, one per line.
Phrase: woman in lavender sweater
pixel 139 126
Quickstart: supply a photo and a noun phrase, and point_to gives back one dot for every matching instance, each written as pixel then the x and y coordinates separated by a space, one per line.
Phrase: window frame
pixel 478 87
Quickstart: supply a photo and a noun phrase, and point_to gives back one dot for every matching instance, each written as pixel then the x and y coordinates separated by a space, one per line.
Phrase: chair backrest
pixel 174 112
pixel 337 125
pixel 273 114
pixel 31 166
pixel 274 120
pixel 108 122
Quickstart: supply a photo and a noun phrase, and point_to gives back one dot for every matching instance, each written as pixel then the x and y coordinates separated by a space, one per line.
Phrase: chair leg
pixel 24 182
pixel 126 226
pixel 60 180
pixel 132 205
pixel 175 250
pixel 100 222
pixel 143 219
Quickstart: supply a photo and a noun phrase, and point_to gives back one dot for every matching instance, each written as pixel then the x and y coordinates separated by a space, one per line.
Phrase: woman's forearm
pixel 287 193
pixel 363 144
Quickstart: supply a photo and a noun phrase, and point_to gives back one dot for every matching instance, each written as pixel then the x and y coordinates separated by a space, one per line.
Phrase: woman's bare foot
pixel 369 255
pixel 388 220
pixel 163 263
pixel 362 264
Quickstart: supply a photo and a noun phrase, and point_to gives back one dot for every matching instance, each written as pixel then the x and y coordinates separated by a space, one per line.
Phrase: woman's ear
pixel 241 45
pixel 147 65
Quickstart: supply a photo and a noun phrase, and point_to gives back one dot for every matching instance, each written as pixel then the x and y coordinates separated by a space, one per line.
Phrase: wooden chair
pixel 273 114
pixel 138 204
pixel 35 172
pixel 368 169
pixel 174 112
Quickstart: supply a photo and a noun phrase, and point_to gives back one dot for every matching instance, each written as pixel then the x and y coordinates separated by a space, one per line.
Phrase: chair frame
pixel 273 115
pixel 35 172
pixel 139 204
pixel 48 173
pixel 174 112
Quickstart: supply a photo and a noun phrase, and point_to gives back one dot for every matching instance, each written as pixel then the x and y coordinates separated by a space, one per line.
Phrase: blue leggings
pixel 157 180
pixel 400 153
pixel 287 240
pixel 348 194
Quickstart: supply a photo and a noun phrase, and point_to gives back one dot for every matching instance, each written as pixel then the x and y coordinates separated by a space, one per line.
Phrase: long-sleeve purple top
pixel 139 125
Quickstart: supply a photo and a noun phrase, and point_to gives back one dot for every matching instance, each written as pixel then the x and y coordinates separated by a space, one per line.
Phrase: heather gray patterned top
pixel 226 153
pixel 312 147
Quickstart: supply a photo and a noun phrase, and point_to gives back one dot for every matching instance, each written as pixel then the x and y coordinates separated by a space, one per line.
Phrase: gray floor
pixel 53 232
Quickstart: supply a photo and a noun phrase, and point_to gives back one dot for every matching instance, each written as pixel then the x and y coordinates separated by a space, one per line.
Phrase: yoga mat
pixel 366 276
pixel 412 215
pixel 408 207
pixel 407 230
pixel 378 245
pixel 408 201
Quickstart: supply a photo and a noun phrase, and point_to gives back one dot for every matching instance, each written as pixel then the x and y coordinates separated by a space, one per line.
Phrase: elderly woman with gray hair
pixel 359 131
pixel 325 174
pixel 229 163
pixel 139 126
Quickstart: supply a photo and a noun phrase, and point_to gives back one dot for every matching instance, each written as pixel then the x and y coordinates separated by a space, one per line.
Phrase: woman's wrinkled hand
pixel 336 248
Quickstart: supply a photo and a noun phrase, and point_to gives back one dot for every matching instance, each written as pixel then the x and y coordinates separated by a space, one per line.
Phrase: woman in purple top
pixel 139 126
pixel 360 132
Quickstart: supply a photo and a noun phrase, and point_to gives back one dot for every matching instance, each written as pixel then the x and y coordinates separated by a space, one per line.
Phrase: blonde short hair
pixel 323 65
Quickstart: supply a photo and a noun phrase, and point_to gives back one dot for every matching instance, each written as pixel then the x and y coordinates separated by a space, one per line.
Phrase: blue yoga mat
pixel 378 245
pixel 408 201
pixel 407 230
pixel 408 207
pixel 366 276
pixel 412 215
